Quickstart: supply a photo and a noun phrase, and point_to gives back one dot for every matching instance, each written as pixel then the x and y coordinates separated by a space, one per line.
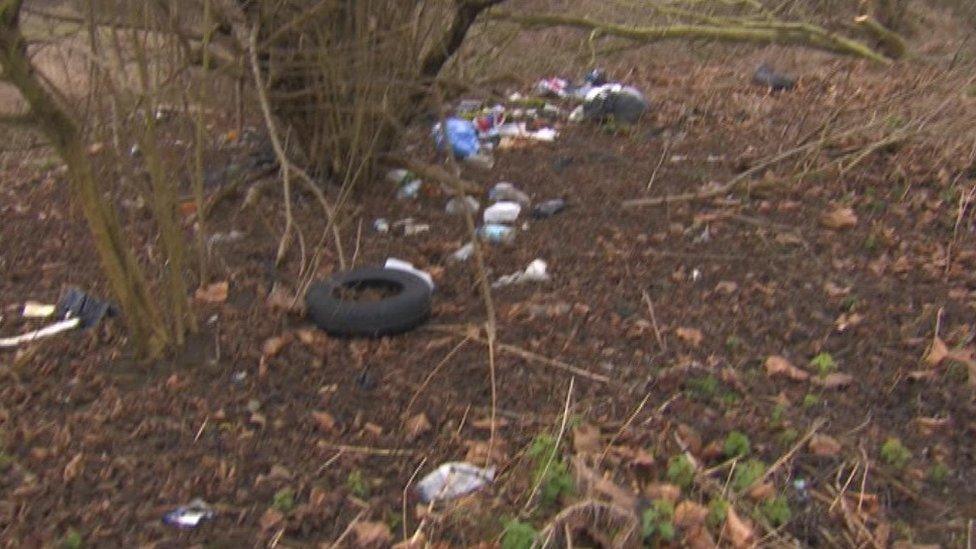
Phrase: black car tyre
pixel 405 305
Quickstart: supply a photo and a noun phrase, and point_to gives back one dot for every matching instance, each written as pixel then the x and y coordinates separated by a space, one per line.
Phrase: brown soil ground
pixel 99 444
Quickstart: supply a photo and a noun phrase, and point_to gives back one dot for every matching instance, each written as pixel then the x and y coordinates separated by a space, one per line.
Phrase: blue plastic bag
pixel 461 134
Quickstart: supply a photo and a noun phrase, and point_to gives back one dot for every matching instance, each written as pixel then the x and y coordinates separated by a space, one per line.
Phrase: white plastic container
pixel 502 212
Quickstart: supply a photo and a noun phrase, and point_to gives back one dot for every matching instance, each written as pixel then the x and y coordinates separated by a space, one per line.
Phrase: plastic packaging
pixel 453 480
pixel 189 515
pixel 497 234
pixel 462 136
pixel 502 212
pixel 407 267
pixel 459 204
pixel 505 191
pixel 537 271
pixel 463 253
pixel 548 208
pixel 409 190
pixel 621 103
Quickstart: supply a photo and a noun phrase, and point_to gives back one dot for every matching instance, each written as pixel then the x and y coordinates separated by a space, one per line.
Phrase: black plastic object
pixel 75 303
pixel 405 309
pixel 767 76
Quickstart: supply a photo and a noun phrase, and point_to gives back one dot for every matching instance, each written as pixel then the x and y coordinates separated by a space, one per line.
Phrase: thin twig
pixel 527 355
pixel 654 325
pixel 345 533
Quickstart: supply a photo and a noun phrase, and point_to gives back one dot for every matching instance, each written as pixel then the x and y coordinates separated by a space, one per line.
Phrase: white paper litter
pixel 407 267
pixel 535 272
pixel 502 212
pixel 453 480
pixel 33 309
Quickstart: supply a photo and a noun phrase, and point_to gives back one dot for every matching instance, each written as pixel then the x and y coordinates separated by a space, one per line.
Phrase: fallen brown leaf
pixel 928 425
pixel 372 534
pixel 478 451
pixel 586 439
pixel 726 287
pixel 738 530
pixel 642 459
pixel 762 492
pixel 691 336
pixel 662 490
pixel 839 218
pixel 416 541
pixel 824 446
pixel 591 481
pixel 417 425
pixel 699 538
pixel 690 438
pixel 273 345
pixel 937 352
pixel 325 421
pixel 72 468
pixel 846 321
pixel 689 514
pixel 270 519
pixel 779 366
pixel 833 290
pixel 214 293
pixel 485 423
pixel 834 381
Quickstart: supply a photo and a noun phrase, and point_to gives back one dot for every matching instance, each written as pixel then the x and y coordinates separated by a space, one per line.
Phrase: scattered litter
pixel 548 208
pixel 463 253
pixel 239 377
pixel 189 515
pixel 769 77
pixel 704 237
pixel 502 212
pixel 47 331
pixel 715 158
pixel 677 158
pixel 616 102
pixel 552 87
pixel 695 275
pixel 399 176
pixel 453 480
pixel 469 106
pixel 409 190
pixel 410 227
pixel 480 160
pixel 407 267
pixel 381 225
pixel 505 191
pixel 408 184
pixel 225 238
pixel 578 114
pixel 801 485
pixel 75 303
pixel 460 204
pixel 497 234
pixel 33 309
pixel 462 136
pixel 535 272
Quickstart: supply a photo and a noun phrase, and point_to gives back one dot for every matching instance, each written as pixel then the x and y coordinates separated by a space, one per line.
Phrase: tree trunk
pixel 128 283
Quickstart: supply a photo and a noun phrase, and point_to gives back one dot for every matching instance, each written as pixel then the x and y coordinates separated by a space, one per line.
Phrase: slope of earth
pixel 669 315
